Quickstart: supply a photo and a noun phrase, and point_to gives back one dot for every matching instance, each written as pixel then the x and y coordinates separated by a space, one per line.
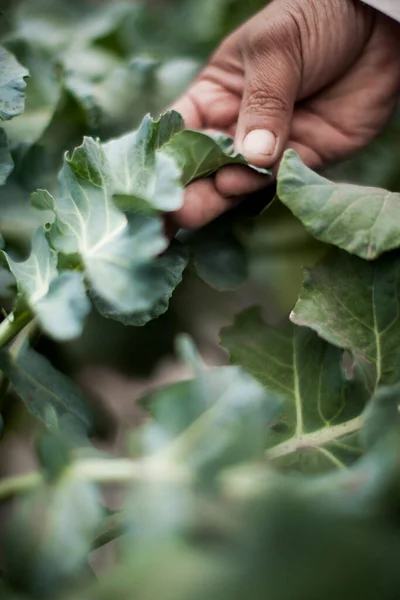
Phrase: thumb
pixel 272 83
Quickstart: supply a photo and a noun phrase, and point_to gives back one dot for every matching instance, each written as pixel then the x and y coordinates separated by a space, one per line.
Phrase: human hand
pixel 319 76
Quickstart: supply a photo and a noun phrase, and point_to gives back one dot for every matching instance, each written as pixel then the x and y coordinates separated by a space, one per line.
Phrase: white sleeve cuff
pixel 389 7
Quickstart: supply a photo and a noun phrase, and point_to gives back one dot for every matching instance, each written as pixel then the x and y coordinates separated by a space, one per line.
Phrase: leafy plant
pixel 286 461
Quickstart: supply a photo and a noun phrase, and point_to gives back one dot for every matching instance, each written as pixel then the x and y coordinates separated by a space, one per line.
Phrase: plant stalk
pixel 10 329
pixel 317 439
pixel 103 472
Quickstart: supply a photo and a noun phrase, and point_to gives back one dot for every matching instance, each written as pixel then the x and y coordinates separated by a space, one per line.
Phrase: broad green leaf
pixel 354 304
pixel 6 161
pixel 220 417
pixel 321 405
pixel 47 394
pixel 50 533
pixel 199 155
pixel 12 86
pixel 168 275
pixel 59 301
pixel 361 220
pixel 117 257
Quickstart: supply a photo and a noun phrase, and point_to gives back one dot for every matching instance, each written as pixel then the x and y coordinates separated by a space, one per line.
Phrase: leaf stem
pixel 104 471
pixel 112 528
pixel 9 329
pixel 316 439
pixel 19 484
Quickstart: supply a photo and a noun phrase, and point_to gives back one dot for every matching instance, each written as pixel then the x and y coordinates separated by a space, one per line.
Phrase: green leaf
pixel 361 220
pixel 354 304
pixel 199 155
pixel 117 257
pixel 219 418
pixel 42 200
pixel 47 394
pixel 62 311
pixel 43 92
pixel 6 161
pixel 220 261
pixel 135 166
pixel 12 86
pixel 321 405
pixel 381 415
pixel 50 533
pixel 59 301
pixel 169 274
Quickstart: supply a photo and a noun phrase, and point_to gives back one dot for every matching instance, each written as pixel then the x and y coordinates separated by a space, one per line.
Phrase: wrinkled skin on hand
pixel 321 76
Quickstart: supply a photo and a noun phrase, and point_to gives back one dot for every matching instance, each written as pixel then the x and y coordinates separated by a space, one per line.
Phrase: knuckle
pixel 265 102
pixel 277 34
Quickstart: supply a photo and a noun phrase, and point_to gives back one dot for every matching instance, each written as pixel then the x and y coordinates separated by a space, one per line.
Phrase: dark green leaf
pixel 361 220
pixel 12 86
pixel 322 405
pixel 354 304
pixel 48 395
pixel 199 155
pixel 220 261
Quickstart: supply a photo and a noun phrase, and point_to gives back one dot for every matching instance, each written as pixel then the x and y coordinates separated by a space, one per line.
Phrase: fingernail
pixel 259 142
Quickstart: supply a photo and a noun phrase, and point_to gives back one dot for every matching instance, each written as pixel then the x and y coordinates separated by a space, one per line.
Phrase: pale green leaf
pixel 12 86
pixel 42 200
pixel 43 93
pixel 47 394
pixel 63 309
pixel 59 301
pixel 168 273
pixel 6 161
pixel 50 532
pixel 361 220
pixel 35 274
pixel 321 405
pixel 117 256
pixel 354 304
pixel 135 165
pixel 220 417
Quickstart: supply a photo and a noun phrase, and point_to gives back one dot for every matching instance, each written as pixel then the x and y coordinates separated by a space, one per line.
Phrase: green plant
pixel 276 477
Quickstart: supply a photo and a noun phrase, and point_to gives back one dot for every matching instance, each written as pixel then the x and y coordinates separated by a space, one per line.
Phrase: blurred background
pixel 97 67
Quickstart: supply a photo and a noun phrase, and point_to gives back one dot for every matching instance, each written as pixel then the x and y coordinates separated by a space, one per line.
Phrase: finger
pixel 272 83
pixel 202 204
pixel 237 180
pixel 309 156
pixel 189 111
